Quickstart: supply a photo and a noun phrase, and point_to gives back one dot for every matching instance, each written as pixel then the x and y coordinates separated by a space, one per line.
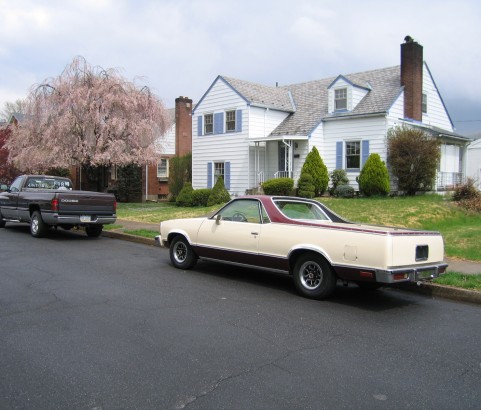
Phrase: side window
pixel 340 99
pixel 208 123
pixel 244 210
pixel 15 187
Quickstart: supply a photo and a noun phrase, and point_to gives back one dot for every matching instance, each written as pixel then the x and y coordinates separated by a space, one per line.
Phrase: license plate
pixel 426 274
pixel 84 218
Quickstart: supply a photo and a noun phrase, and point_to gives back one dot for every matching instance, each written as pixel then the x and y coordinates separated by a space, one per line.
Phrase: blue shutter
pixel 364 152
pixel 210 167
pixel 238 120
pixel 218 123
pixel 227 175
pixel 199 125
pixel 339 154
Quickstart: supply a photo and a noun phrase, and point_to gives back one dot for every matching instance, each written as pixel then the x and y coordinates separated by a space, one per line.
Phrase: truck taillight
pixel 54 204
pixel 115 205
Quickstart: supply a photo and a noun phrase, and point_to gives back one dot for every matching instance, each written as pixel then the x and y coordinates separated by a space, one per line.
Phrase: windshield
pixel 299 210
pixel 48 183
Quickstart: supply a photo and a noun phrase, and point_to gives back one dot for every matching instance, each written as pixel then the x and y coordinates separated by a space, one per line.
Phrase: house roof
pixel 307 102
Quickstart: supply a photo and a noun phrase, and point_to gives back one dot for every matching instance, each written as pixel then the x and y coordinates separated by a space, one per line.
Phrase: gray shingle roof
pixel 311 98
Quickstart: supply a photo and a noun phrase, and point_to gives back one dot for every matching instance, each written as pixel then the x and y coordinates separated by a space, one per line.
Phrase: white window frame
pixel 219 170
pixel 164 174
pixel 350 154
pixel 230 121
pixel 208 124
pixel 340 96
pixel 424 104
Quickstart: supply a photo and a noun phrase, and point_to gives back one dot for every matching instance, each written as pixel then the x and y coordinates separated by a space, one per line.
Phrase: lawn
pixel 461 231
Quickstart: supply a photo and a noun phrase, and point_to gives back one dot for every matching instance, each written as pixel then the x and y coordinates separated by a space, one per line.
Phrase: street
pixel 100 323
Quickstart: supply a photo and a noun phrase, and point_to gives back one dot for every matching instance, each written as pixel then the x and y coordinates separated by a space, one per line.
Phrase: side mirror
pixel 218 218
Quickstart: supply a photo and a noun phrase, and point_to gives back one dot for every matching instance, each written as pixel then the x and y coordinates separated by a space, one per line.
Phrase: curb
pixel 429 289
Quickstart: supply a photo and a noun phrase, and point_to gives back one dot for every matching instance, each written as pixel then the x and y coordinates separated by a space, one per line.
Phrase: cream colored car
pixel 305 239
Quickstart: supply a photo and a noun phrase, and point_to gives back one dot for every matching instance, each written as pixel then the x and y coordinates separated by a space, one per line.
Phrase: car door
pixel 232 234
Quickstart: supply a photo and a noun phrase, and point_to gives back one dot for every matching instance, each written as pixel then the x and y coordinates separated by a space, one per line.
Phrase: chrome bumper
pixel 410 274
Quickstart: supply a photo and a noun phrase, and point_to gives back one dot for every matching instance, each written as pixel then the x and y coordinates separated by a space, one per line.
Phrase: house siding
pixel 224 147
pixel 436 111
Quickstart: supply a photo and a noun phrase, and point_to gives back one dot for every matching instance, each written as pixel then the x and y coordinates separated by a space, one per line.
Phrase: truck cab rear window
pixel 48 183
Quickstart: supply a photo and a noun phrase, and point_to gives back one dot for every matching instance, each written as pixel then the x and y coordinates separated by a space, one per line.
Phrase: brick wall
pixel 412 78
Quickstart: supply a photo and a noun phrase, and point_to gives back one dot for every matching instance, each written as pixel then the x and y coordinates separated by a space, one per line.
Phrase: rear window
pixel 48 183
pixel 299 210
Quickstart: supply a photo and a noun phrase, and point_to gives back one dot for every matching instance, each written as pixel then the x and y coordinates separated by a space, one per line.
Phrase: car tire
pixel 38 228
pixel 181 253
pixel 2 222
pixel 314 277
pixel 94 231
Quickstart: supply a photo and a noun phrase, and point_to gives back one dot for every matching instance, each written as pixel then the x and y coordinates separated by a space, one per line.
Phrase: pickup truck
pixel 44 201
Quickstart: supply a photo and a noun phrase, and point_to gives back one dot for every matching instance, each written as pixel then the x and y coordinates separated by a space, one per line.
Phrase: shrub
pixel 185 195
pixel 471 204
pixel 180 172
pixel 200 197
pixel 314 165
pixel 278 186
pixel 413 157
pixel 466 191
pixel 374 177
pixel 338 177
pixel 306 186
pixel 344 191
pixel 218 195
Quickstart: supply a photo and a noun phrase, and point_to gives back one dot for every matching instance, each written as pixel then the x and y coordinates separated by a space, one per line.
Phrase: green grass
pixel 158 212
pixel 460 280
pixel 146 233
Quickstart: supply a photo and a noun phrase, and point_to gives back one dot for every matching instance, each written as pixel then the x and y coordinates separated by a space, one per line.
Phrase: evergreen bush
pixel 200 197
pixel 338 177
pixel 180 172
pixel 278 186
pixel 184 198
pixel 314 165
pixel 344 191
pixel 374 177
pixel 218 195
pixel 306 188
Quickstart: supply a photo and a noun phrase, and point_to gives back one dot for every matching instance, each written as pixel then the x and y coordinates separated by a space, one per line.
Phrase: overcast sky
pixel 178 47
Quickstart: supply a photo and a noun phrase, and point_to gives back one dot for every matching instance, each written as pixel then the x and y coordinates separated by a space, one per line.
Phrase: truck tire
pixel 37 227
pixel 94 231
pixel 2 222
pixel 314 277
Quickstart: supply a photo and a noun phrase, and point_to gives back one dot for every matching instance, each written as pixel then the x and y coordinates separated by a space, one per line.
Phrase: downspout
pixel 146 181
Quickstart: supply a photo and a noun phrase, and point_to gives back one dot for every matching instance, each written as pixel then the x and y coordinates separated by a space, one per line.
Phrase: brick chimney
pixel 412 78
pixel 183 126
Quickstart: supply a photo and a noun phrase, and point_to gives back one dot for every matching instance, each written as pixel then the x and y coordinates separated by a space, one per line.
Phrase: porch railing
pixel 260 178
pixel 448 180
pixel 281 174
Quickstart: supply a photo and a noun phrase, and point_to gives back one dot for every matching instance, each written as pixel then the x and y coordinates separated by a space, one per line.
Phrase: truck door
pixel 10 200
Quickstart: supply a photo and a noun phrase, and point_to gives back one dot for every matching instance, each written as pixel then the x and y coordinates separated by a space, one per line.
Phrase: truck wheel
pixel 313 276
pixel 2 222
pixel 37 227
pixel 181 253
pixel 93 231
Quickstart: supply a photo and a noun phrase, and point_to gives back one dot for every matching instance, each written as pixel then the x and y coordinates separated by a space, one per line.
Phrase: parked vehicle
pixel 306 240
pixel 45 201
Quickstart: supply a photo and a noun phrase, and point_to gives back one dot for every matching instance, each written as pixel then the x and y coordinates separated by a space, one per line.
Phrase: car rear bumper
pixel 410 274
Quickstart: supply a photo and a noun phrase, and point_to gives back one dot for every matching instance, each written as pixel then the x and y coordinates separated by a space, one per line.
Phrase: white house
pixel 249 133
pixel 474 162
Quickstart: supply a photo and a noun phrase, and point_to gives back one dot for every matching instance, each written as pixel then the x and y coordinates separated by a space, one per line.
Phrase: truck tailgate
pixel 85 203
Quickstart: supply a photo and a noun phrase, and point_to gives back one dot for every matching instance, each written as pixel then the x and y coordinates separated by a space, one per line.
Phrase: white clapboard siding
pixel 437 114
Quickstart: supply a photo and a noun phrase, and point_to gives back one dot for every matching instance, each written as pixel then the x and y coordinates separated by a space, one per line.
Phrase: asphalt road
pixel 107 324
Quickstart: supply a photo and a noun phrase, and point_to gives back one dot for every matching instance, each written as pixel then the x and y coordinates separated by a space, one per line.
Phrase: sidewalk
pixel 428 288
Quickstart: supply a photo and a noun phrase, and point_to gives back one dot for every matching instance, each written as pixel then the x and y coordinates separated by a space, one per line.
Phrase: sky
pixel 178 47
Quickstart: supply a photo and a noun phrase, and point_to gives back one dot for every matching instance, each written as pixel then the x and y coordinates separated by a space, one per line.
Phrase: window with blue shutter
pixel 210 167
pixel 227 175
pixel 339 155
pixel 218 123
pixel 199 126
pixel 364 152
pixel 238 121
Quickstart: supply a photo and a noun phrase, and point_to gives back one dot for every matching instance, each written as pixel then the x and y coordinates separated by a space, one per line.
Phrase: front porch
pixel 271 158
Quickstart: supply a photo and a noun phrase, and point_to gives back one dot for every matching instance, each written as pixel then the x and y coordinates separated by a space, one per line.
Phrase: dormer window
pixel 340 99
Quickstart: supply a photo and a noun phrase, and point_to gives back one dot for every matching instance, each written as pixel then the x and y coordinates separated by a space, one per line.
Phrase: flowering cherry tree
pixel 87 116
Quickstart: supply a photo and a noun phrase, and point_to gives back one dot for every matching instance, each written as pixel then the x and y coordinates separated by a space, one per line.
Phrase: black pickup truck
pixel 45 201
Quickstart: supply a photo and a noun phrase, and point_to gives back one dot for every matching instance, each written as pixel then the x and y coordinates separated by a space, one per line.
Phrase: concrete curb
pixel 429 289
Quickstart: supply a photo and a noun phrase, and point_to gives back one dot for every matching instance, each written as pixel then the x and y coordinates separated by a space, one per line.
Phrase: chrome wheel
pixel 34 225
pixel 180 252
pixel 311 275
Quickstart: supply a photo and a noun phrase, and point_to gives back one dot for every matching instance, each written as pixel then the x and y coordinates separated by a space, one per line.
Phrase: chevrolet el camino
pixel 305 239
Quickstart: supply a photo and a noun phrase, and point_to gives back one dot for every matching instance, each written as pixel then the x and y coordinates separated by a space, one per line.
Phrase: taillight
pixel 54 204
pixel 115 205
